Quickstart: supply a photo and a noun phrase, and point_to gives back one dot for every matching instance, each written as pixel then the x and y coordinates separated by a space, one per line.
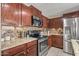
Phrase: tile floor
pixel 57 52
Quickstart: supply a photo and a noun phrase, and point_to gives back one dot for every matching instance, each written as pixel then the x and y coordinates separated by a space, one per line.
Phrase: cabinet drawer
pixel 13 51
pixel 31 43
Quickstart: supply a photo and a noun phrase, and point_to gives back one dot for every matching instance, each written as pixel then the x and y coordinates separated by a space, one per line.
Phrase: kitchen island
pixel 20 47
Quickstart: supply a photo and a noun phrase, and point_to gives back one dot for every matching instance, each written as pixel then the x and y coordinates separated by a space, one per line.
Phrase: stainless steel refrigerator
pixel 70 31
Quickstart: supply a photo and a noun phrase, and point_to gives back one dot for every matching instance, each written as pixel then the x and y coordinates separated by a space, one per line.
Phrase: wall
pixel 57 31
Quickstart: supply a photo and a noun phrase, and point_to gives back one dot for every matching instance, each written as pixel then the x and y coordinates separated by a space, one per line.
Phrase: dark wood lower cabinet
pixel 49 41
pixel 32 51
pixel 13 51
pixel 27 49
pixel 57 41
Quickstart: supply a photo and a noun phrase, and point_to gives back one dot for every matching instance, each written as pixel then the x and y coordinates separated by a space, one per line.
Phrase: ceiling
pixel 52 10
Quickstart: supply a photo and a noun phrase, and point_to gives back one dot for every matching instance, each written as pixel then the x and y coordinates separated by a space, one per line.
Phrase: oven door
pixel 42 47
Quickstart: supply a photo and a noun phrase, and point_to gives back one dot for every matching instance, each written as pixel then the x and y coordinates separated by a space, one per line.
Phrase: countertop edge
pixel 27 41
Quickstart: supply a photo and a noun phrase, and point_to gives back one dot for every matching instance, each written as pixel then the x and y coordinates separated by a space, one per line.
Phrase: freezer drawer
pixel 67 47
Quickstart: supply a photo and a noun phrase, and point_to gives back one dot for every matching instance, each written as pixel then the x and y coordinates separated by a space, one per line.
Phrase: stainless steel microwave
pixel 36 21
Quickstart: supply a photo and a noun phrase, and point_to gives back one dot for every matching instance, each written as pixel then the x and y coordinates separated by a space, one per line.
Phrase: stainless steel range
pixel 42 46
pixel 42 42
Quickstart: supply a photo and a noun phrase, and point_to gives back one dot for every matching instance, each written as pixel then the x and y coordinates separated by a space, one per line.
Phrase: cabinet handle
pixel 24 53
pixel 27 50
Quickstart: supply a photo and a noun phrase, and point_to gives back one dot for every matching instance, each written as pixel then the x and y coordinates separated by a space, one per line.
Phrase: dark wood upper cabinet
pixel 35 11
pixel 9 13
pixel 45 21
pixel 26 15
pixel 56 23
pixel 16 14
pixel 71 15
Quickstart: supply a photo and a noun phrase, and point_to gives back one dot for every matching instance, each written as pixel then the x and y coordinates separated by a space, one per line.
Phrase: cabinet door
pixel 54 42
pixel 49 24
pixel 26 16
pixel 56 23
pixel 9 11
pixel 60 42
pixel 17 13
pixel 50 41
pixel 32 51
pixel 57 41
pixel 31 43
pixel 45 20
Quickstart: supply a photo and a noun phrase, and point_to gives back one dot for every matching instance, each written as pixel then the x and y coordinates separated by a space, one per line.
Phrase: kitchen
pixel 27 31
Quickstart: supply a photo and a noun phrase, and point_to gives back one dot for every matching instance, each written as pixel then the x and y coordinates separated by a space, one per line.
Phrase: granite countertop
pixel 15 43
pixel 75 47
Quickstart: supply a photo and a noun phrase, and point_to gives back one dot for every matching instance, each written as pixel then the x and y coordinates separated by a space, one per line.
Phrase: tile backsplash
pixel 56 31
pixel 7 33
pixel 13 31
